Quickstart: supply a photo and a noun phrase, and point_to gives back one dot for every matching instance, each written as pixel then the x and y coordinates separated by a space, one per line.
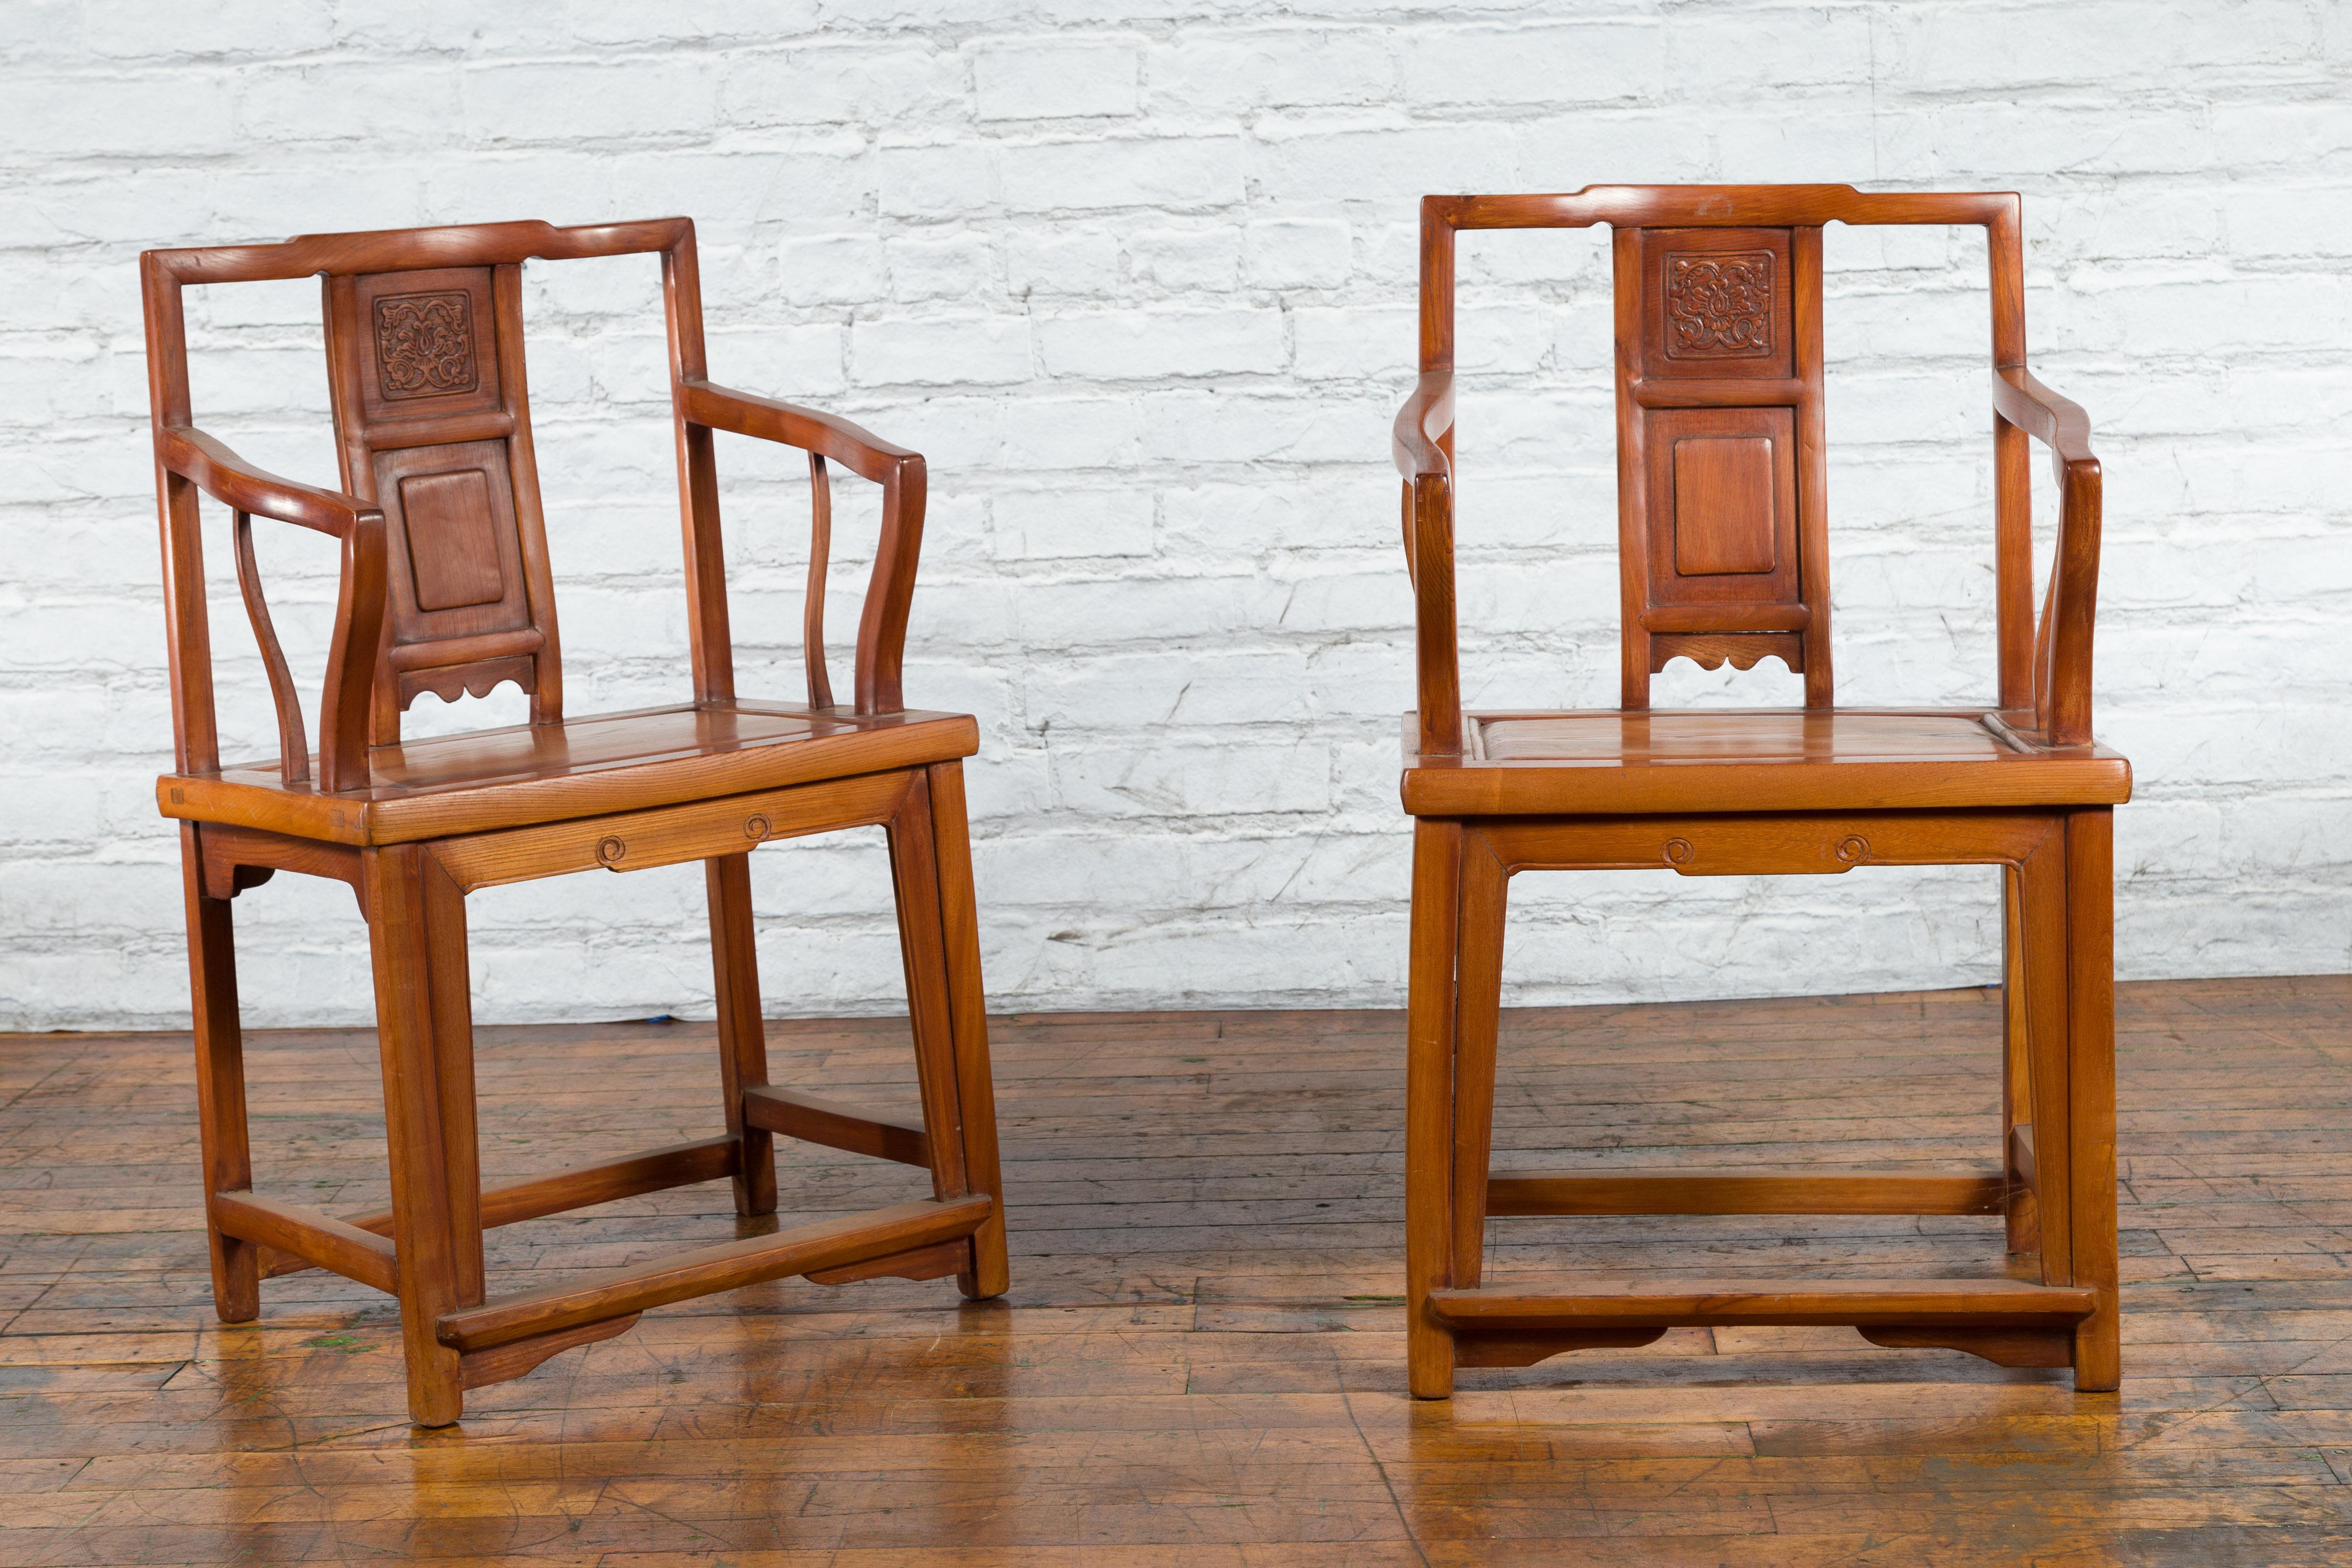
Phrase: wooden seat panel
pixel 1667 738
pixel 547 773
pixel 1619 763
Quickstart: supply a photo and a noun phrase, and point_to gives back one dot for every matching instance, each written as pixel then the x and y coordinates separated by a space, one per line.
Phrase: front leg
pixel 958 1117
pixel 2091 1089
pixel 991 1274
pixel 417 920
pixel 220 1083
pixel 1429 1110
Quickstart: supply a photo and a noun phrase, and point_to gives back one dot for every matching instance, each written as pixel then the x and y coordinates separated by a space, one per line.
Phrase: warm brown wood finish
pixel 1723 556
pixel 316 1240
pixel 814 1119
pixel 447 588
pixel 1620 1303
pixel 1200 1360
pixel 656 1170
pixel 1732 1191
pixel 807 1249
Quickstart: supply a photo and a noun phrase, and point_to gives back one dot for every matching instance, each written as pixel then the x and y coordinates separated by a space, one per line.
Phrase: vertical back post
pixel 195 732
pixel 2012 480
pixel 708 635
pixel 1429 504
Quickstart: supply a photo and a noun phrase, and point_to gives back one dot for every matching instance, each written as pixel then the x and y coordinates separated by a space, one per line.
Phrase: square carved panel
pixel 1717 303
pixel 425 344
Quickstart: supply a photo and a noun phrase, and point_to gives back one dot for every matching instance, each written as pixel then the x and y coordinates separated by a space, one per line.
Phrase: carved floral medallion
pixel 425 344
pixel 1718 304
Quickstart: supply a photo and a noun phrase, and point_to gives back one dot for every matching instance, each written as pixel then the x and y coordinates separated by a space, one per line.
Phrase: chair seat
pixel 1620 763
pixel 549 773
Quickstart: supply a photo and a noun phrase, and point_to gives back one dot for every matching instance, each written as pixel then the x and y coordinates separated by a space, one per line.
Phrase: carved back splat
pixel 1722 541
pixel 434 427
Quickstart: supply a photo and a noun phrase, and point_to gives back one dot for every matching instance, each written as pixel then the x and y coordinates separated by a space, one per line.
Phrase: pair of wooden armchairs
pixel 445 588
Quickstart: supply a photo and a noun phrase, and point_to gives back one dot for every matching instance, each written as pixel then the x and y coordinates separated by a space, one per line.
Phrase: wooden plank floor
pixel 1202 1360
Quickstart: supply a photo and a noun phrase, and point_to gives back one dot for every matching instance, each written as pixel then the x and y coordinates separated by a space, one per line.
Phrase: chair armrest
pixel 1420 444
pixel 890 592
pixel 856 449
pixel 1422 425
pixel 192 456
pixel 2057 423
pixel 2061 655
pixel 234 482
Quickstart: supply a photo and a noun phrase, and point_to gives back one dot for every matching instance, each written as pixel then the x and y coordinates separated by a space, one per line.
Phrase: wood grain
pixel 1723 509
pixel 1614 762
pixel 742 1033
pixel 1541 1302
pixel 318 1240
pixel 510 1203
pixel 724 829
pixel 815 1119
pixel 488 779
pixel 679 1276
pixel 1201 1358
pixel 1728 1189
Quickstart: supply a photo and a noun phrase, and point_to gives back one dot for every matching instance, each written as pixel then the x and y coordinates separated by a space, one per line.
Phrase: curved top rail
pixel 407 250
pixel 1718 206
pixel 1997 212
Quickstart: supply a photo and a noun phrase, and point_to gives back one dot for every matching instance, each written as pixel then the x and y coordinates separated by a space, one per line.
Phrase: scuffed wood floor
pixel 1201 1359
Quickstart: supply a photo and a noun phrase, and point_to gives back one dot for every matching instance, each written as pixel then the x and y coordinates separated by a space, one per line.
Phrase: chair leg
pixel 742 1037
pixel 220 1084
pixel 931 1016
pixel 2042 961
pixel 1479 1013
pixel 2091 1084
pixel 424 1029
pixel 2016 1079
pixel 2066 898
pixel 1429 1114
pixel 991 1274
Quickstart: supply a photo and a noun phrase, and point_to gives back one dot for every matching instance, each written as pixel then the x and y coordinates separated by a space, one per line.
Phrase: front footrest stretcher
pixel 2015 1322
pixel 624 1292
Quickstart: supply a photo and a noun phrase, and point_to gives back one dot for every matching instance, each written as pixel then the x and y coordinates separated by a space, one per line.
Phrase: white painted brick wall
pixel 1138 280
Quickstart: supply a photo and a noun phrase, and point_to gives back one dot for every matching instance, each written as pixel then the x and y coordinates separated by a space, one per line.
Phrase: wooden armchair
pixel 445 588
pixel 1722 532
